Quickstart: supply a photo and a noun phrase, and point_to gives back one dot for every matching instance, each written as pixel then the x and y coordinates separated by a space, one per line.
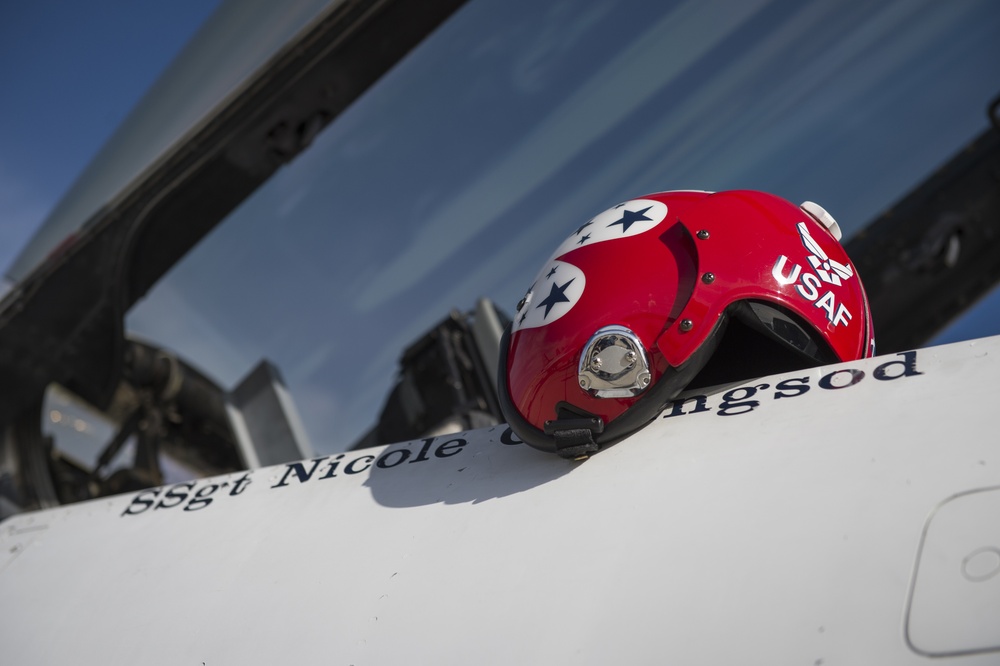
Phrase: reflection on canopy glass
pixel 457 174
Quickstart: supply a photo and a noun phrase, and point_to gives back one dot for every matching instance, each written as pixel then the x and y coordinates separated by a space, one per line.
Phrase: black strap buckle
pixel 575 437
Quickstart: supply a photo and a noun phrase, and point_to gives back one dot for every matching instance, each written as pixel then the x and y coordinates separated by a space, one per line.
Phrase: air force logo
pixel 830 271
pixel 827 271
pixel 554 293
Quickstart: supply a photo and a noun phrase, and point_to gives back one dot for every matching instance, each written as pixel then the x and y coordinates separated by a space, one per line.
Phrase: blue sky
pixel 69 74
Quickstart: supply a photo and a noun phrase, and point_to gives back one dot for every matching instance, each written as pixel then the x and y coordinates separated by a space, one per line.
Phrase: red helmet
pixel 671 291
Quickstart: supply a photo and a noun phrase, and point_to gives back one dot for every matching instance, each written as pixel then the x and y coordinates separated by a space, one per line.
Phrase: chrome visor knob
pixel 614 364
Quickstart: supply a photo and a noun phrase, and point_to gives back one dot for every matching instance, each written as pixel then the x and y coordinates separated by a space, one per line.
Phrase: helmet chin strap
pixel 574 438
